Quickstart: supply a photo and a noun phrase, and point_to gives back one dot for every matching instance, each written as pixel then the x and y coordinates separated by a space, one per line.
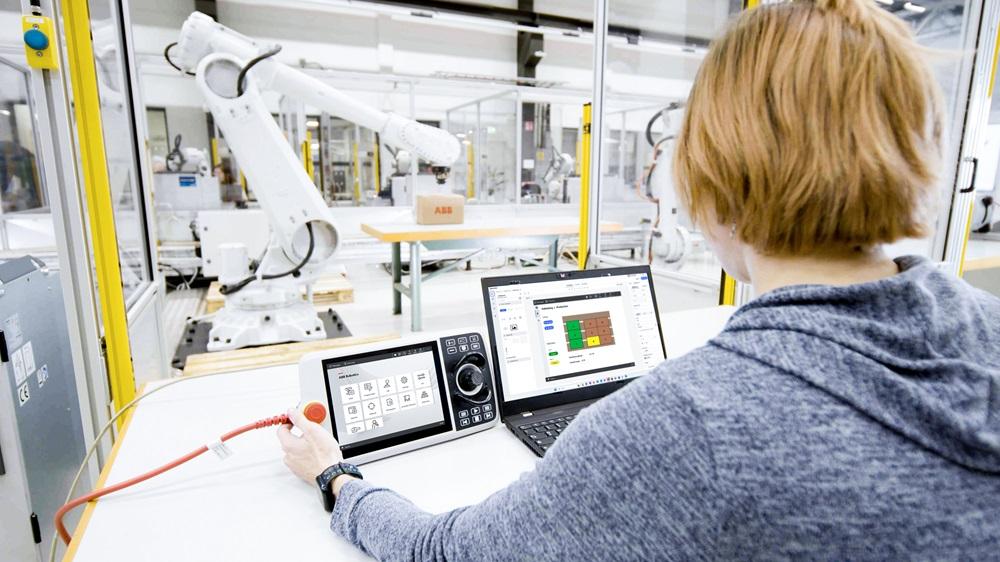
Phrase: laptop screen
pixel 553 335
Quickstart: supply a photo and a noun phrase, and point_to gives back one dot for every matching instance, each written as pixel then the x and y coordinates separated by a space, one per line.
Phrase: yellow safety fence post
pixel 584 249
pixel 97 187
pixel 727 295
pixel 579 156
pixel 470 171
pixel 214 153
pixel 307 159
pixel 357 175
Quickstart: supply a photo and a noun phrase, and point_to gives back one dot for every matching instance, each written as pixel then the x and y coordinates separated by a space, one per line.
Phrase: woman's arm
pixel 632 477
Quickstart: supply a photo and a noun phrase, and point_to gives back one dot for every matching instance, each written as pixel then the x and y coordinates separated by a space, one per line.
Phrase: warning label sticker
pixel 12 331
pixel 29 359
pixel 17 360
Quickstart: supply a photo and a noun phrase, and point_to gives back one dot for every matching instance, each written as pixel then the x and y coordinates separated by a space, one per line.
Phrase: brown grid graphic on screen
pixel 585 331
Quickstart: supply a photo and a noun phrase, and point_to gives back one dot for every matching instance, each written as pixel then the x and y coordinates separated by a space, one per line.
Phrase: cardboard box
pixel 440 209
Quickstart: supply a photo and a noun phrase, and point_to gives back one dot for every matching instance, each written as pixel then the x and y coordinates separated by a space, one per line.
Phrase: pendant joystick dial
pixel 470 379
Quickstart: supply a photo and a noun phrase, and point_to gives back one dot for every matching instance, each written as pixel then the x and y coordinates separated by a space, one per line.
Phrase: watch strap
pixel 326 478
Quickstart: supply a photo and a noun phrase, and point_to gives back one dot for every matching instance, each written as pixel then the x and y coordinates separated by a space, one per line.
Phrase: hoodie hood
pixel 918 352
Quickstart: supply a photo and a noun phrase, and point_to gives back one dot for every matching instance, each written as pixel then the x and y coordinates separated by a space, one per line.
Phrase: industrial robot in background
pixel 265 305
pixel 554 179
pixel 187 159
pixel 670 239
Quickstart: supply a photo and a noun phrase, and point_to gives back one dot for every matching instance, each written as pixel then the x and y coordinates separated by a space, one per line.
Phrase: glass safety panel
pixel 653 50
pixel 347 153
pixel 25 222
pixel 488 129
pixel 981 265
pixel 117 121
pixel 159 135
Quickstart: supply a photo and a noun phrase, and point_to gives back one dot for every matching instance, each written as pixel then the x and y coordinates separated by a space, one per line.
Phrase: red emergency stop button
pixel 314 412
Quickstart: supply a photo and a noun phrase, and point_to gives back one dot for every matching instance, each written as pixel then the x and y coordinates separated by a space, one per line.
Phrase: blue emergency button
pixel 35 39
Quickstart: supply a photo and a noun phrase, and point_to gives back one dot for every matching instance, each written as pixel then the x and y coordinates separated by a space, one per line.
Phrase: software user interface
pixel 386 394
pixel 560 335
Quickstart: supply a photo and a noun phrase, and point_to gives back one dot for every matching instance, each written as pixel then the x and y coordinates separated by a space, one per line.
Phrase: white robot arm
pixel 202 36
pixel 298 215
pixel 670 238
pixel 266 306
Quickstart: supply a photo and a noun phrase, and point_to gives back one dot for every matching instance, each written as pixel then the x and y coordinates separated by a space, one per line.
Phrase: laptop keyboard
pixel 544 433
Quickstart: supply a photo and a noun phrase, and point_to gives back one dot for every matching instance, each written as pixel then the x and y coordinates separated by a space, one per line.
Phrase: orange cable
pixel 259 424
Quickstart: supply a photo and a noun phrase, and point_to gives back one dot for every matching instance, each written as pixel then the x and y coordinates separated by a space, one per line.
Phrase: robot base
pixel 195 339
pixel 234 328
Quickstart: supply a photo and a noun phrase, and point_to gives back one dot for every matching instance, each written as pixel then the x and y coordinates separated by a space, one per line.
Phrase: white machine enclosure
pixel 312 381
pixel 186 191
pixel 216 228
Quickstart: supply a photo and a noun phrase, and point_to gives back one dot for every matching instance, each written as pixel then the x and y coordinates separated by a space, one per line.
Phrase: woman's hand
pixel 312 453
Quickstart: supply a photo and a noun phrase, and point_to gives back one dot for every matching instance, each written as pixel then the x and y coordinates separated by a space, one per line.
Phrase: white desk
pixel 250 507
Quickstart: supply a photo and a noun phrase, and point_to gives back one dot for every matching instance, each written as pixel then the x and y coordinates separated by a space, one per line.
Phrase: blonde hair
pixel 811 126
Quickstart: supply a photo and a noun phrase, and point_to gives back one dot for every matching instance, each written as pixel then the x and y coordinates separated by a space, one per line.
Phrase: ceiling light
pixel 915 8
pixel 460 135
pixel 312 123
pixel 4 112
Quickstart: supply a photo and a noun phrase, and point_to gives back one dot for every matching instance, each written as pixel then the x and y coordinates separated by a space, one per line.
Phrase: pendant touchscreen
pixel 390 397
pixel 395 393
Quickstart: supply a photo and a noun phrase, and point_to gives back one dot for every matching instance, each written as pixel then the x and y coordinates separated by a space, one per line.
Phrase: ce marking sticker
pixel 23 394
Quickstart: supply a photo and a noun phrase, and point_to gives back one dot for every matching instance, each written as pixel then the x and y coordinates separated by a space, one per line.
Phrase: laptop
pixel 561 341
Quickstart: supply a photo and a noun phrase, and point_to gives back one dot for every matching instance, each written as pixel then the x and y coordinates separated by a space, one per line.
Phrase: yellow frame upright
pixel 100 211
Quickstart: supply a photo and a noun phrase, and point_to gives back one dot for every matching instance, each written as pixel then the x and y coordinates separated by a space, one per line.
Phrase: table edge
pixel 88 511
pixel 489 232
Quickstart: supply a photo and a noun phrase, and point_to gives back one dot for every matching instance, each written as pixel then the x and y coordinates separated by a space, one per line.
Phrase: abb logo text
pixel 443 210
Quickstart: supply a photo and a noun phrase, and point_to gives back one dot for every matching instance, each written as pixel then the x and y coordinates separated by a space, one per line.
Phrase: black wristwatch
pixel 325 481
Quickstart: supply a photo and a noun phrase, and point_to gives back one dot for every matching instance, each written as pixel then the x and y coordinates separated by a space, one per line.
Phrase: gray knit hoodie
pixel 848 423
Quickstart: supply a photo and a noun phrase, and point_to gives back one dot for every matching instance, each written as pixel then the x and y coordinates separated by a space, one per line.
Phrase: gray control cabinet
pixel 41 433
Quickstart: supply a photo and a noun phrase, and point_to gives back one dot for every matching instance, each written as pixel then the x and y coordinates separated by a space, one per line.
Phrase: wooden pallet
pixel 270 355
pixel 328 290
